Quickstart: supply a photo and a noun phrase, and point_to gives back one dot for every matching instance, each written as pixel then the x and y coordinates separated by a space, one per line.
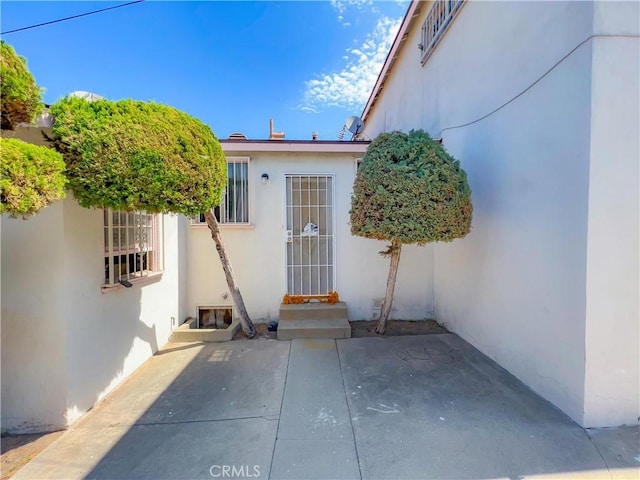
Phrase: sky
pixel 309 65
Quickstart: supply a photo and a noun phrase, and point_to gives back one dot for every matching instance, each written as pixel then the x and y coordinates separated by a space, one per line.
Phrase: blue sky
pixel 309 65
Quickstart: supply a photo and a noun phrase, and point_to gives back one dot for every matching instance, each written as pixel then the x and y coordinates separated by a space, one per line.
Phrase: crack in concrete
pixel 346 399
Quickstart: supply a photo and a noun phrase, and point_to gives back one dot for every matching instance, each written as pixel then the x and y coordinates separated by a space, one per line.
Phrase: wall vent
pixel 212 316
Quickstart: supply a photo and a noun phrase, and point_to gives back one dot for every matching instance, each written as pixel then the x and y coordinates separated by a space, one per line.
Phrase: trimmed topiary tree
pixel 133 155
pixel 408 190
pixel 31 177
pixel 20 96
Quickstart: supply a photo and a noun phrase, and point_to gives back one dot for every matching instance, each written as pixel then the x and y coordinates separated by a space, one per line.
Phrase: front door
pixel 310 240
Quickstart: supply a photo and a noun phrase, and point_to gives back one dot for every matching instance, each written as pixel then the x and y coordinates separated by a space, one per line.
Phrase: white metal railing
pixel 436 23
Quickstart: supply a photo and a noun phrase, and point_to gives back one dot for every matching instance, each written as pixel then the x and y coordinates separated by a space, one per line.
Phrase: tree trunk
pixel 245 321
pixel 385 310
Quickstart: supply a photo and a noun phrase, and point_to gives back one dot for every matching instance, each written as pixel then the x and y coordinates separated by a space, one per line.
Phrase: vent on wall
pixel 214 316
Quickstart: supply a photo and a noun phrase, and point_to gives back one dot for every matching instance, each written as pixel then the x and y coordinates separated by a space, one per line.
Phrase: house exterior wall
pixel 74 343
pixel 109 335
pixel 515 287
pixel 612 383
pixel 34 381
pixel 258 253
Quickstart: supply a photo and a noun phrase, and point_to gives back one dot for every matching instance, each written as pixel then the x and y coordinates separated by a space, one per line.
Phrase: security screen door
pixel 310 241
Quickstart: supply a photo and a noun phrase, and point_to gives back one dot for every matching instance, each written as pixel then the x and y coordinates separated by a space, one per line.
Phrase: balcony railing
pixel 438 19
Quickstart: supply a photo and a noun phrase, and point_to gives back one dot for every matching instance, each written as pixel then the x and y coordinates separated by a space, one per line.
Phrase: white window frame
pixel 438 20
pixel 223 215
pixel 133 247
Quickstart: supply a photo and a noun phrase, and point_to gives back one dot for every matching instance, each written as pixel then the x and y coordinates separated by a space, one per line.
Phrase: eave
pixel 413 12
pixel 301 146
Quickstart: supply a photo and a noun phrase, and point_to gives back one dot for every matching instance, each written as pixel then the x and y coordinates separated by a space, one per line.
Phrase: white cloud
pixel 350 87
pixel 342 7
pixel 307 108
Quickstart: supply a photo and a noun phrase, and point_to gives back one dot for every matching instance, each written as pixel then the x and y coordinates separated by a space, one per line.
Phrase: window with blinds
pixel 234 208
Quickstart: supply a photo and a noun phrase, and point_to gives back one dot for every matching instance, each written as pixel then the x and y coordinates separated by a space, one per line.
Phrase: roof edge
pixel 403 32
pixel 273 142
pixel 295 146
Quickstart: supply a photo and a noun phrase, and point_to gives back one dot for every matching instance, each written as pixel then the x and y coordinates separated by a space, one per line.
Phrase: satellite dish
pixel 355 125
pixel 88 96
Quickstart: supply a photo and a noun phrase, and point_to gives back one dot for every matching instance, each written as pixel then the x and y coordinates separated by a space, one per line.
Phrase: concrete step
pixel 290 329
pixel 313 311
pixel 187 332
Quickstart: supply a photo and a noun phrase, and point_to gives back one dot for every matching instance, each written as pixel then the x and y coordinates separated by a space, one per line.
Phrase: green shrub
pixel 409 189
pixel 130 155
pixel 31 177
pixel 20 97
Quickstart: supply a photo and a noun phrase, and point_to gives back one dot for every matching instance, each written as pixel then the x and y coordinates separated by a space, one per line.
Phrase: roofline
pixel 302 146
pixel 401 37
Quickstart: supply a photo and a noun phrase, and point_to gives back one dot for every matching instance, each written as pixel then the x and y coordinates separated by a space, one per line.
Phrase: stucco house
pixel 539 101
pixel 88 295
pixel 286 227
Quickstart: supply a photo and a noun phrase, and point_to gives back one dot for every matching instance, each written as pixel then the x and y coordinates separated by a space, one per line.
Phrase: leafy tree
pixel 408 190
pixel 132 155
pixel 31 177
pixel 20 97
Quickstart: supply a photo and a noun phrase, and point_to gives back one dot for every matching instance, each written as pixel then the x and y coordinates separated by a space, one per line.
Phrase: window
pixel 438 19
pixel 356 164
pixel 131 246
pixel 234 208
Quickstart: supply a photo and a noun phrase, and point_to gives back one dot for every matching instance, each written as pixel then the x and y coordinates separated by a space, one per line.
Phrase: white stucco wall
pixel 74 344
pixel 258 254
pixel 612 383
pixel 515 286
pixel 33 377
pixel 111 334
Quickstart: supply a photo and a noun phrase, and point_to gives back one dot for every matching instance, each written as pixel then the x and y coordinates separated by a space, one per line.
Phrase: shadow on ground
pixel 413 407
pixel 189 408
pixel 18 450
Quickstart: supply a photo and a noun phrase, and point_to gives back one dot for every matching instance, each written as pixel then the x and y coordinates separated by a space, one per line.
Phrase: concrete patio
pixel 413 407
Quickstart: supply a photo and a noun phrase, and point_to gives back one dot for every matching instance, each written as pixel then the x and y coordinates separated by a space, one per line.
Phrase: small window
pixel 356 164
pixel 438 19
pixel 131 245
pixel 234 208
